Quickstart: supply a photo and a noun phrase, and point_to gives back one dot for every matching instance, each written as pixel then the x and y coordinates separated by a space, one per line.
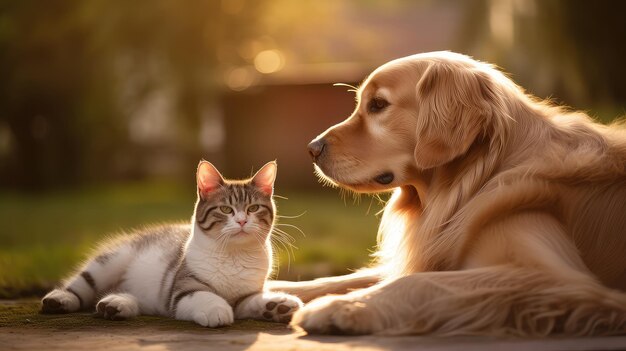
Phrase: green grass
pixel 44 236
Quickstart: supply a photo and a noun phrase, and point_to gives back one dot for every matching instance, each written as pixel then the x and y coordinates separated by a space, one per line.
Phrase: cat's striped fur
pixel 210 271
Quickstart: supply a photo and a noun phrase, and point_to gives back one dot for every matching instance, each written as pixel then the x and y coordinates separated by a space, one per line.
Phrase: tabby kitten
pixel 210 272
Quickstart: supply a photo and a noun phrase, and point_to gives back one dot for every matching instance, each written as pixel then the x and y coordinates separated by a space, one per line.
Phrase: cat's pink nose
pixel 242 222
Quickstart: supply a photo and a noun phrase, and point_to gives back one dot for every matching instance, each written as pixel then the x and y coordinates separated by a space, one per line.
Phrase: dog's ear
pixel 454 103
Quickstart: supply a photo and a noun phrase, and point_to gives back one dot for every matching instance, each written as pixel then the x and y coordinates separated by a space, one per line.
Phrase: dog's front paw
pixel 337 315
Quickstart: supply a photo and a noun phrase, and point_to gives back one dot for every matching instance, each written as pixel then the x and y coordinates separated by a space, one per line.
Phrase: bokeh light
pixel 239 78
pixel 269 61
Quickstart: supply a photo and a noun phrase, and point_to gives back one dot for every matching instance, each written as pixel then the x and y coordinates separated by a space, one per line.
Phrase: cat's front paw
pixel 337 315
pixel 60 301
pixel 280 308
pixel 269 306
pixel 214 316
pixel 117 307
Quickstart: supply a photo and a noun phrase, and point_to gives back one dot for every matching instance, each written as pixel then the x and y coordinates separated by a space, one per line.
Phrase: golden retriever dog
pixel 508 214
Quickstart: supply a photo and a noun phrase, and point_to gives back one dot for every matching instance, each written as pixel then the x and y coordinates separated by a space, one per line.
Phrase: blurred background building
pixel 97 91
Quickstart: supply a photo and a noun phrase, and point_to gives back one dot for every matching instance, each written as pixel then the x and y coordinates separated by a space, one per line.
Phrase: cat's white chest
pixel 231 275
pixel 233 279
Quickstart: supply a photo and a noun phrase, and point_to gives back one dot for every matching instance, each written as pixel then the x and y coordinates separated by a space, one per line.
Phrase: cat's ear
pixel 208 178
pixel 265 177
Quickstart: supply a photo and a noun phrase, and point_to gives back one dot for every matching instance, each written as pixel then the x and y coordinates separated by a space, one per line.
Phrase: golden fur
pixel 508 214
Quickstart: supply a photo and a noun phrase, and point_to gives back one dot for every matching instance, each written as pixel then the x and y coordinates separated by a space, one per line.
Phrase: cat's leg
pixel 60 301
pixel 118 306
pixel 204 308
pixel 75 294
pixel 97 275
pixel 268 305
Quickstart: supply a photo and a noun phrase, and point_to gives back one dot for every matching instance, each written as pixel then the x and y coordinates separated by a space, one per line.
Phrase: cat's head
pixel 236 212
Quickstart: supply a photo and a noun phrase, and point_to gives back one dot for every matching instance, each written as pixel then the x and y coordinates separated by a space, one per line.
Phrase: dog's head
pixel 412 114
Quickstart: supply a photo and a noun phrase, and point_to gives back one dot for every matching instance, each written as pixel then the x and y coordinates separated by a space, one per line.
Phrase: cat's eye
pixel 377 104
pixel 226 209
pixel 253 208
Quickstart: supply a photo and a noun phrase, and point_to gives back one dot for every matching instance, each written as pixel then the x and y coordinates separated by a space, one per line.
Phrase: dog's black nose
pixel 316 147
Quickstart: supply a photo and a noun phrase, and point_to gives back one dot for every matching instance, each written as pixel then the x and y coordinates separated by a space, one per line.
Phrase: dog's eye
pixel 377 104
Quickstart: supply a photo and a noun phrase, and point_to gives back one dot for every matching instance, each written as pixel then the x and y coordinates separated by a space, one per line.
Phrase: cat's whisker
pixel 291 217
pixel 279 233
pixel 286 241
pixel 284 236
pixel 287 247
pixel 290 226
pixel 282 246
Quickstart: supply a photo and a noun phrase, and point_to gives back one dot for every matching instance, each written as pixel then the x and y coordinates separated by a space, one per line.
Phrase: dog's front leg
pixel 311 289
pixel 496 300
pixel 364 311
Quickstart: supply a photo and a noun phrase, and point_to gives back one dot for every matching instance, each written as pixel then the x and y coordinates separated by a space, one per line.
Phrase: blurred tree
pixel 74 72
pixel 45 70
pixel 571 50
pixel 597 31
